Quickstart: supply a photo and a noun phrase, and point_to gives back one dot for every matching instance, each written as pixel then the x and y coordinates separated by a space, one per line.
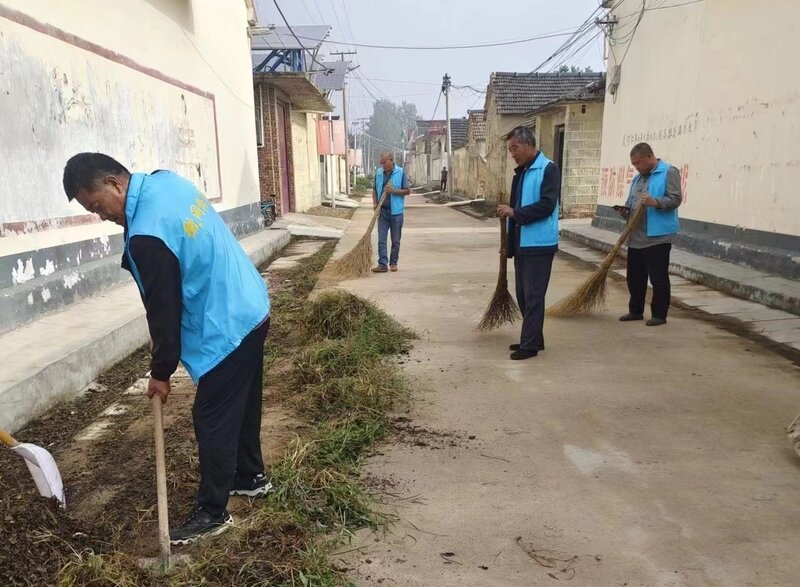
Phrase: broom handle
pixel 631 226
pixel 161 480
pixel 7 439
pixel 503 247
pixel 376 214
pixel 380 203
pixel 503 236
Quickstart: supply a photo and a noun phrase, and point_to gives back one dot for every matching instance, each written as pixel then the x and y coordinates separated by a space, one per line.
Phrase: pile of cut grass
pixel 345 385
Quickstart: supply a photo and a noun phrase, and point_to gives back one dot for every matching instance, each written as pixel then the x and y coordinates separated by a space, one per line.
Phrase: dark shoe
pixel 379 269
pixel 631 317
pixel 656 322
pixel 255 487
pixel 516 347
pixel 392 268
pixel 200 525
pixel 522 354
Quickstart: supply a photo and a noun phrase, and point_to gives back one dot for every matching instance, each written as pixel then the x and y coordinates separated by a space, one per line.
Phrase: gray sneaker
pixel 200 524
pixel 254 487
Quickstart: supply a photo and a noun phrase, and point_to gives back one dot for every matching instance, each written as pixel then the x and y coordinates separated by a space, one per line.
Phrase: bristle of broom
pixel 502 308
pixel 591 295
pixel 358 261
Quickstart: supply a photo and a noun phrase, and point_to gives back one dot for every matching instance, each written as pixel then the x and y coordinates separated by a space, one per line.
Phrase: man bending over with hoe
pixel 207 306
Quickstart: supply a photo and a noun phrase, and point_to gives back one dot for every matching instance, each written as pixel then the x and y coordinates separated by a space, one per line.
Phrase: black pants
pixel 443 185
pixel 227 421
pixel 532 275
pixel 652 262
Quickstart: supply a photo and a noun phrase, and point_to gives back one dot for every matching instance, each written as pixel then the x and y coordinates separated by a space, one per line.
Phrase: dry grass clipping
pixel 502 308
pixel 793 431
pixel 358 261
pixel 592 294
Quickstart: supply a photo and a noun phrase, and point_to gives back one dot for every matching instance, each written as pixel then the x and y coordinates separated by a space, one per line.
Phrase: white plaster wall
pixel 57 99
pixel 713 87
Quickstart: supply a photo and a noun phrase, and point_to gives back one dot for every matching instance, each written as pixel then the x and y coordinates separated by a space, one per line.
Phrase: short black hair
pixel 84 170
pixel 522 134
pixel 643 150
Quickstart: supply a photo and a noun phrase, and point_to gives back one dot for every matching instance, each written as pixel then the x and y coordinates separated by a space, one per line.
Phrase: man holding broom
pixel 390 181
pixel 207 306
pixel 532 218
pixel 658 188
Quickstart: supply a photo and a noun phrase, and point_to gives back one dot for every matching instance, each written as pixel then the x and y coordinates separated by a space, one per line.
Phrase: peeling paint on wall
pixel 22 272
pixel 48 269
pixel 59 99
pixel 71 280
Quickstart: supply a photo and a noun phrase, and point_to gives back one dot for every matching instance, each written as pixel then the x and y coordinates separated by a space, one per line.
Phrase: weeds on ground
pixel 343 381
pixel 346 385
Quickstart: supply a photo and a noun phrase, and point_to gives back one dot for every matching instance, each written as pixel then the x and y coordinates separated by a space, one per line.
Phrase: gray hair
pixel 523 135
pixel 642 150
pixel 388 155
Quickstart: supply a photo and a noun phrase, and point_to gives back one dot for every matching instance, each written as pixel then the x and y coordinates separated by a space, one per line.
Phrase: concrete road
pixel 622 455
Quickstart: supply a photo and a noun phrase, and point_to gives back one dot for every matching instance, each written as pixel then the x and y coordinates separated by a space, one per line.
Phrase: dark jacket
pixel 550 196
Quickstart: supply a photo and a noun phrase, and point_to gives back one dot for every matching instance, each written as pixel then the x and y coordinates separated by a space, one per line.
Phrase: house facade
pixel 731 129
pixel 522 99
pixel 423 157
pixel 469 164
pixel 288 112
pixel 173 92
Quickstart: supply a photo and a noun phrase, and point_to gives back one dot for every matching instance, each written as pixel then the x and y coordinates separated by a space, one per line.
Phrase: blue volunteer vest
pixel 398 203
pixel 224 297
pixel 659 222
pixel 542 233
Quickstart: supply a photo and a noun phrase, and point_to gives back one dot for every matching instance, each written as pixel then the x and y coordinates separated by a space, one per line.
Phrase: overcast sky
pixel 438 22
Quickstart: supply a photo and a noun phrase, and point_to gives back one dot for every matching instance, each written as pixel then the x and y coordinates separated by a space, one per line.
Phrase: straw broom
pixel 358 261
pixel 592 294
pixel 502 308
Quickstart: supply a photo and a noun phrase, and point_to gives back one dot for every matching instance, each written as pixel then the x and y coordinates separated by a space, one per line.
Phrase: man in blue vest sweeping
pixel 206 306
pixel 658 187
pixel 532 218
pixel 390 179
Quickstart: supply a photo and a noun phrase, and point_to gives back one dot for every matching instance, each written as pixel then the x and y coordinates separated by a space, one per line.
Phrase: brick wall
pixel 581 173
pixel 267 97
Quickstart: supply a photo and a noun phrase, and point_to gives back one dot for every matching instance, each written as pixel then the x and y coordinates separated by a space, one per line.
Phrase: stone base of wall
pixel 578 211
pixel 80 270
pixel 770 252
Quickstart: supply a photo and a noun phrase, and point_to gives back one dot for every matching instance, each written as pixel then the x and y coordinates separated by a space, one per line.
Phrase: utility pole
pixel 341 54
pixel 360 124
pixel 332 161
pixel 446 90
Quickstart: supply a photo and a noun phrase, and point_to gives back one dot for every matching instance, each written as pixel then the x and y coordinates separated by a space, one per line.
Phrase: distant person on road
pixel 443 184
pixel 658 187
pixel 532 234
pixel 390 179
pixel 206 305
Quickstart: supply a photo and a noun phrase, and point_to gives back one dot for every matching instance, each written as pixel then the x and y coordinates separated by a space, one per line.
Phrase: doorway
pixel 558 146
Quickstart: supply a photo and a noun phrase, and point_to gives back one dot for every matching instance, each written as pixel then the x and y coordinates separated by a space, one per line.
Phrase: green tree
pixel 574 69
pixel 389 126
